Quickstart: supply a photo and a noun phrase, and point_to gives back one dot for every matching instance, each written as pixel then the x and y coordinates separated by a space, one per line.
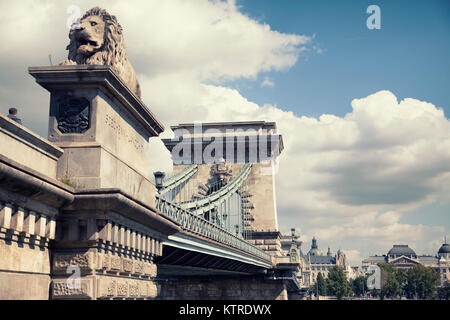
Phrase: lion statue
pixel 97 39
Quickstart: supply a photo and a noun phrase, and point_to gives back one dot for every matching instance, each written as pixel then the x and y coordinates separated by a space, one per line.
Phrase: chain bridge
pixel 81 218
pixel 220 216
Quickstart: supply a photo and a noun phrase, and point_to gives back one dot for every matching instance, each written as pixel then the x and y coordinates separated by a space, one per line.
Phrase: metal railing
pixel 197 225
pixel 214 199
pixel 178 179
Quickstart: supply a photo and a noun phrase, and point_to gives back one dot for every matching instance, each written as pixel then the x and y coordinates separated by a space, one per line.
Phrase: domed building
pixel 314 251
pixel 401 250
pixel 444 251
pixel 403 257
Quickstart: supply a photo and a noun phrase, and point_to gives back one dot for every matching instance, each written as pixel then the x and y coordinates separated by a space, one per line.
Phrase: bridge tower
pixel 220 151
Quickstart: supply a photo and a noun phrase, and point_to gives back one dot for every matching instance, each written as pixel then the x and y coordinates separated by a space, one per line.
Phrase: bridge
pixel 81 219
pixel 211 218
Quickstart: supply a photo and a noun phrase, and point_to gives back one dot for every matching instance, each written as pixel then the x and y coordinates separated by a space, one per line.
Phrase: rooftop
pixel 445 248
pixel 401 250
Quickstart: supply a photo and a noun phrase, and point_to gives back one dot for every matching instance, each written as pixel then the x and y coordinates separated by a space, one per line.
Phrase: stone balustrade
pixel 25 234
pixel 24 225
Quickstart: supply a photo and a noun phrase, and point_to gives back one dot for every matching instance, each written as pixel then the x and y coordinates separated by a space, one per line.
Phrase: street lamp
pixel 159 177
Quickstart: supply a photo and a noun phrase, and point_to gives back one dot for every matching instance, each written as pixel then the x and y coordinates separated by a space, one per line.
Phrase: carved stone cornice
pixel 33 185
pixel 119 202
pixel 104 78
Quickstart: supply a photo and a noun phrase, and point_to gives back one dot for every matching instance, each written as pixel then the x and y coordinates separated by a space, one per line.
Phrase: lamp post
pixel 159 177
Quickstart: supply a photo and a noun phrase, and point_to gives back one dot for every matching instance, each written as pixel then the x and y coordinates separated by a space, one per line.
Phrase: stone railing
pixel 114 232
pixel 23 225
pixel 119 251
pixel 197 225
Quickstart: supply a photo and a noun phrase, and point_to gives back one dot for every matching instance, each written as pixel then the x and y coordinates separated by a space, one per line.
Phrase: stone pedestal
pixel 102 127
pixel 108 236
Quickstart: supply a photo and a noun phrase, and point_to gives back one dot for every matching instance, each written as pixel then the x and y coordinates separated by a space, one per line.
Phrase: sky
pixel 364 113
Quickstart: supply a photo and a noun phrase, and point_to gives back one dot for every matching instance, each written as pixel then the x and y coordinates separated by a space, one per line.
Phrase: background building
pixel 315 261
pixel 403 257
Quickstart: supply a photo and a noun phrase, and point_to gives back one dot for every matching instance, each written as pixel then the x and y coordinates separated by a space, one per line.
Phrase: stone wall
pixel 27 148
pixel 223 288
pixel 104 275
pixel 49 231
pixel 29 198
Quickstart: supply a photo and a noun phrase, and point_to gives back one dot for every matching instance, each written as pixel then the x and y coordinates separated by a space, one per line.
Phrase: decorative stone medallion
pixel 73 114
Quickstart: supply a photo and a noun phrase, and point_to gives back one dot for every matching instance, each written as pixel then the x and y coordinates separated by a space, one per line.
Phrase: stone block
pixel 84 261
pixel 5 216
pixel 63 289
pixel 122 288
pixel 106 287
pixel 272 242
pixel 16 140
pixel 17 220
pixel 18 257
pixel 41 225
pixel 29 223
pixel 20 286
pixel 116 263
pixel 127 265
pixel 273 248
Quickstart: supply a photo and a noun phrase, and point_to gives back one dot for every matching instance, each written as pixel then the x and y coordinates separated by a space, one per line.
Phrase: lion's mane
pixel 112 52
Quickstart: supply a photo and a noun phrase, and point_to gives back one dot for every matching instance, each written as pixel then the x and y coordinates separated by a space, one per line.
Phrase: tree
pixel 394 279
pixel 444 291
pixel 337 283
pixel 402 278
pixel 391 288
pixel 359 285
pixel 387 267
pixel 376 293
pixel 321 285
pixel 422 282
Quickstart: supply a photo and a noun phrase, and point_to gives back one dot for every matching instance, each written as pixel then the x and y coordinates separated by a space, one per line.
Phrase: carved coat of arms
pixel 73 114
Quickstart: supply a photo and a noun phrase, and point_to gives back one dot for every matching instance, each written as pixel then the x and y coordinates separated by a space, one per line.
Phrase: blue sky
pixel 409 55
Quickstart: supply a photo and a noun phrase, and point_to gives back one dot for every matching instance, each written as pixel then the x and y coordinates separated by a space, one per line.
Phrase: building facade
pixel 315 262
pixel 403 257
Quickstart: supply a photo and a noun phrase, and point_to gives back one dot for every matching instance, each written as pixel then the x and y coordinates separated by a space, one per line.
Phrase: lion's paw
pixel 67 63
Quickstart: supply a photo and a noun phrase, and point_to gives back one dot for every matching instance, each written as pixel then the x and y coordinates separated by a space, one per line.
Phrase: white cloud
pixel 373 229
pixel 354 257
pixel 267 82
pixel 174 45
pixel 383 153
pixel 359 175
